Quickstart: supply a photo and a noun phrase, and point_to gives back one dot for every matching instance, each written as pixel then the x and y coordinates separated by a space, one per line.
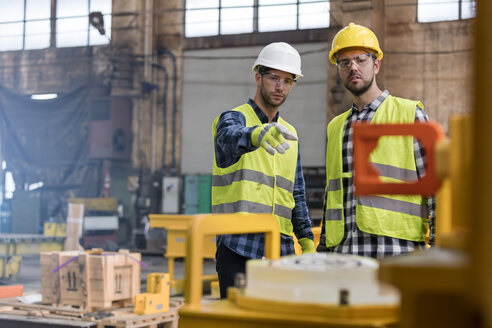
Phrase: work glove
pixel 307 246
pixel 272 137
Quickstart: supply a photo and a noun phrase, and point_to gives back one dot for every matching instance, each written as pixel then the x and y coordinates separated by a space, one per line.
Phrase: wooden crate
pixel 92 281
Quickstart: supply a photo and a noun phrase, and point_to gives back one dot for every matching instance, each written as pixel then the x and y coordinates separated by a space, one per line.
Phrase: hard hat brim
pixel 277 67
pixel 333 55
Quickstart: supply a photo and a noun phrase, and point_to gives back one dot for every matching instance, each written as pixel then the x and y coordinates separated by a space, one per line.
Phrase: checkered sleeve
pixel 233 138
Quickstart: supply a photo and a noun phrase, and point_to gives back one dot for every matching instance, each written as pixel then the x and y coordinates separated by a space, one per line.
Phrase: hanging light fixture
pixel 44 96
pixel 96 19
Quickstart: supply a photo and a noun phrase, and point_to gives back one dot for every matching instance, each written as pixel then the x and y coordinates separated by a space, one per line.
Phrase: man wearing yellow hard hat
pixel 382 225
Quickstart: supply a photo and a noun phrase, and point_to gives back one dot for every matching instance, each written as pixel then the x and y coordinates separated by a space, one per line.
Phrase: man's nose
pixel 353 66
pixel 281 85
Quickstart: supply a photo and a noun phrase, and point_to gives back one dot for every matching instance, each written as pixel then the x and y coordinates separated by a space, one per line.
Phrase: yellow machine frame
pixel 451 285
pixel 14 246
pixel 241 311
pixel 177 227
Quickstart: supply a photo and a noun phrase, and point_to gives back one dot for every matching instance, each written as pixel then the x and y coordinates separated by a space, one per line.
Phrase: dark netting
pixel 48 141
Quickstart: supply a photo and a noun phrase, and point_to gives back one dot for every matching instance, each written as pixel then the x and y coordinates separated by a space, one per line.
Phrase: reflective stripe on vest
pixel 394 205
pixel 255 176
pixel 396 173
pixel 258 182
pixel 243 206
pixel 397 216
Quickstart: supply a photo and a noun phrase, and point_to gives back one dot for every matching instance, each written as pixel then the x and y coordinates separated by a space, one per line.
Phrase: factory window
pixel 220 17
pixel 445 10
pixel 72 23
pixel 24 24
pixel 27 24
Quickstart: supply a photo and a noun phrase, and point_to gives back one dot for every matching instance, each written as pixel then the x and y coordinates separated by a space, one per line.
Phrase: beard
pixel 358 91
pixel 267 98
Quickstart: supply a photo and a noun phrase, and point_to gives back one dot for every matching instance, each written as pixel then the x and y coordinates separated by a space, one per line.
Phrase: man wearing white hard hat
pixel 380 225
pixel 257 166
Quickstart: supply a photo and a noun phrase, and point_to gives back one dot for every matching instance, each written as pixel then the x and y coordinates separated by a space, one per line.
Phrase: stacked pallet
pixel 12 311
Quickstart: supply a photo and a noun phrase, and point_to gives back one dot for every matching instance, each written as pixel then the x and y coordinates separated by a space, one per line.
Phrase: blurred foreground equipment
pixel 177 227
pixel 436 283
pixel 156 299
pixel 244 307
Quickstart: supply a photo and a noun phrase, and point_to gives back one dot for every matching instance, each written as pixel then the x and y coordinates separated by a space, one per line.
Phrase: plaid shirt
pixel 356 241
pixel 232 141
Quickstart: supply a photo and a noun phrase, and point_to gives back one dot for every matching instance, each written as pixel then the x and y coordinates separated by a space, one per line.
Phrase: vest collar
pixel 263 118
pixel 374 105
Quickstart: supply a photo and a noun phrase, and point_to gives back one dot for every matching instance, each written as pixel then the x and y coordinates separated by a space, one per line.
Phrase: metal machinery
pixel 156 299
pixel 439 265
pixel 14 246
pixel 177 227
pixel 244 310
pixel 451 285
pixel 277 300
pixel 441 295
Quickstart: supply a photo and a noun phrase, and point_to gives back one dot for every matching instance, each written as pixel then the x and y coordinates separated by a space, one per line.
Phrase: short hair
pixel 263 69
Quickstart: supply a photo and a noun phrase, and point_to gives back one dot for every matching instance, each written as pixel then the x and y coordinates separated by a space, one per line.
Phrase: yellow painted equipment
pixel 13 246
pixel 445 267
pixel 156 299
pixel 96 204
pixel 10 267
pixel 451 285
pixel 435 283
pixel 55 229
pixel 177 227
pixel 242 311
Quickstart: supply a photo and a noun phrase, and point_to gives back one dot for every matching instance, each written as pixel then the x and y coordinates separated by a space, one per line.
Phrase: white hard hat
pixel 281 56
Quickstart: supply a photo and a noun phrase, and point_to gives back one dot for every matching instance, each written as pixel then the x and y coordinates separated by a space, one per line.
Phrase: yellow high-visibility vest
pixel 397 216
pixel 258 182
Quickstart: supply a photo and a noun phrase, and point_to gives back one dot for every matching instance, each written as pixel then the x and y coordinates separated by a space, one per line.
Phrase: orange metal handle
pixel 366 138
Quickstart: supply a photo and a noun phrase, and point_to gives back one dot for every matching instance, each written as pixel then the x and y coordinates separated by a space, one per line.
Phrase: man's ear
pixel 377 65
pixel 258 79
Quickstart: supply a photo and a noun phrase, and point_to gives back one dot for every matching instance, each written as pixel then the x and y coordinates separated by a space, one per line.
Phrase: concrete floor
pixel 30 274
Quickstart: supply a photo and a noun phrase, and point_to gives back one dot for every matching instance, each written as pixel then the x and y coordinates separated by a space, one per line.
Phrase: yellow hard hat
pixel 355 36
